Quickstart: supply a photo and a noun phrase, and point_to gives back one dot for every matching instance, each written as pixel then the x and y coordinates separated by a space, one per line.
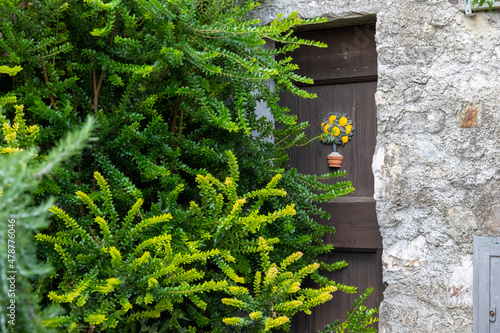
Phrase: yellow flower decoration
pixel 336 129
pixel 343 121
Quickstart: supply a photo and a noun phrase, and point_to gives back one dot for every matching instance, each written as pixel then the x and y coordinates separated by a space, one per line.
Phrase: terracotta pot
pixel 335 160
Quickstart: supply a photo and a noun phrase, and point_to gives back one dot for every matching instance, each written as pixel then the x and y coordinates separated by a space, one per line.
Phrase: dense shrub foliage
pixel 20 174
pixel 185 216
pixel 134 271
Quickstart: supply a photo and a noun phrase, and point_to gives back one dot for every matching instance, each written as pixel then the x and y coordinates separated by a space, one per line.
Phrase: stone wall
pixel 437 159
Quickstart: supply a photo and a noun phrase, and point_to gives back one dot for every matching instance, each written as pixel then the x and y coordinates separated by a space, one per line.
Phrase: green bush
pixel 173 85
pixel 117 272
pixel 123 273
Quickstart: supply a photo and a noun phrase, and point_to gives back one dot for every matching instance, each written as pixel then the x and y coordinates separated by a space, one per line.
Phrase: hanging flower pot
pixel 335 160
pixel 337 130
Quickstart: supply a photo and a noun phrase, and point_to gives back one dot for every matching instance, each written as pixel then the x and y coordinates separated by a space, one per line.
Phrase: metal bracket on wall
pixel 468 7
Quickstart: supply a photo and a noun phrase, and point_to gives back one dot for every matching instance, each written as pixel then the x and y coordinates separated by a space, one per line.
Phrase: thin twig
pixel 57 31
pixel 180 126
pixel 174 121
pixel 49 55
pixel 96 92
pixel 46 78
pixel 114 28
pixel 97 85
pixel 172 129
pixel 94 80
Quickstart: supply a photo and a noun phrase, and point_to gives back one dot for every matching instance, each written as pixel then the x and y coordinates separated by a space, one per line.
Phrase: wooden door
pixel 345 76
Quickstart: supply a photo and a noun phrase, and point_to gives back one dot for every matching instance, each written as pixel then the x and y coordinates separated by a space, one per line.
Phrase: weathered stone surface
pixel 437 159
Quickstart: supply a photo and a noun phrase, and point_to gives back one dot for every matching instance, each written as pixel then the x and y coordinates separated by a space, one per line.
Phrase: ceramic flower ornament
pixel 336 129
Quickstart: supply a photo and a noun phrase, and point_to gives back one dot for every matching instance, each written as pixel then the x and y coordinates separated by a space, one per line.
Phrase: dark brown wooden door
pixel 345 76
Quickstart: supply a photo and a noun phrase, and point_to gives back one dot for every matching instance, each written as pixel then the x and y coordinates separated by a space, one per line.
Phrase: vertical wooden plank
pixel 363 274
pixel 380 287
pixel 301 323
pixel 365 116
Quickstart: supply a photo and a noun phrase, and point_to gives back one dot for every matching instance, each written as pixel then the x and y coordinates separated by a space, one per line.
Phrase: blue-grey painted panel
pixel 486 284
pixel 494 293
